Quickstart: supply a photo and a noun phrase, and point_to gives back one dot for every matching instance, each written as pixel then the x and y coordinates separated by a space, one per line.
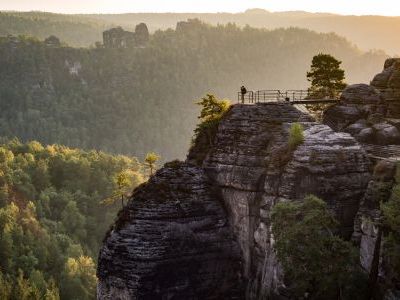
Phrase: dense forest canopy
pixel 73 30
pixel 368 32
pixel 53 217
pixel 133 101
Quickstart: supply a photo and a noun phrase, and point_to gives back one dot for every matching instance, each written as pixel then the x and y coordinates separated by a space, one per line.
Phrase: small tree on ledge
pixel 211 113
pixel 326 77
pixel 151 160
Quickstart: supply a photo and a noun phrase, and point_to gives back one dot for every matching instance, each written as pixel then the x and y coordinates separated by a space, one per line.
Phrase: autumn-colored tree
pixel 151 160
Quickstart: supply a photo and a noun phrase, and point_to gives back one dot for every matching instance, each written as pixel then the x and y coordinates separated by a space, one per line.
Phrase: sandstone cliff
pixel 172 241
pixel 246 162
pixel 201 229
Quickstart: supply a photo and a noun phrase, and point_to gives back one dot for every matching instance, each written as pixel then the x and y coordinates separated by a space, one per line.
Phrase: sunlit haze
pixel 346 7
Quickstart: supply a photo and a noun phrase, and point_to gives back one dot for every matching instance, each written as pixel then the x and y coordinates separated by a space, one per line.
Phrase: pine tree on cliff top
pixel 326 76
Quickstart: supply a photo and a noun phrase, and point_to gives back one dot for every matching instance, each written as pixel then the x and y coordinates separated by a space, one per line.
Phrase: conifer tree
pixel 326 76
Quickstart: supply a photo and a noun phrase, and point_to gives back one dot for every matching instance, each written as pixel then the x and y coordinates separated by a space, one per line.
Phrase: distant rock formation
pixel 120 38
pixel 371 113
pixel 52 42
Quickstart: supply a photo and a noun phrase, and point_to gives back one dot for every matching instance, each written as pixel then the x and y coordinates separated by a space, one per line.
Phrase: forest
pixel 54 212
pixel 71 96
pixel 367 32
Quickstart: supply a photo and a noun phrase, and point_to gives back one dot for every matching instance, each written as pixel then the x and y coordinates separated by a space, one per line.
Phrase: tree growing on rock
pixel 326 77
pixel 125 181
pixel 211 113
pixel 316 261
pixel 391 221
pixel 151 160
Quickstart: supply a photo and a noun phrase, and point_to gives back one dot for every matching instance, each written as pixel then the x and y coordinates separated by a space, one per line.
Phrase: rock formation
pixel 370 237
pixel 388 83
pixel 370 112
pixel 153 250
pixel 172 241
pixel 251 165
pixel 201 229
pixel 120 38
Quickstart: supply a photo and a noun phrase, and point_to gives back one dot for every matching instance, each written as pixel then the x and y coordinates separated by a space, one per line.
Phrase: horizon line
pixel 199 13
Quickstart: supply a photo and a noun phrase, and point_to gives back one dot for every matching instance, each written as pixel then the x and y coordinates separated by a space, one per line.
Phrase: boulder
pixel 360 94
pixel 340 116
pixel 366 135
pixel 355 128
pixel 386 134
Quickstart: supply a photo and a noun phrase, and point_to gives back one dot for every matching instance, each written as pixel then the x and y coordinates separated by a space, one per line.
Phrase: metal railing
pixel 390 152
pixel 263 96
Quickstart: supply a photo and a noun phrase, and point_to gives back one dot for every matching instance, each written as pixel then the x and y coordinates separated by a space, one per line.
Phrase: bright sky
pixel 356 7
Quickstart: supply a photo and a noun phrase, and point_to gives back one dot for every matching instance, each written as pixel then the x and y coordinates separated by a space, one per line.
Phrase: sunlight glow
pixel 346 7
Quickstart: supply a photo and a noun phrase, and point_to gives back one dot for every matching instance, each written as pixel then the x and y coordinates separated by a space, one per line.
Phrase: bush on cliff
pixel 296 136
pixel 211 114
pixel 316 261
pixel 391 219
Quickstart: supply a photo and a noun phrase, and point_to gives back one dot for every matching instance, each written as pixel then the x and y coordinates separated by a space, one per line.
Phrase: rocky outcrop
pixel 251 164
pixel 370 112
pixel 175 240
pixel 370 236
pixel 171 241
pixel 388 83
pixel 120 38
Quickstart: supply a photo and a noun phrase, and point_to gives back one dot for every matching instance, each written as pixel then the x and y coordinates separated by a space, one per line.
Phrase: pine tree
pixel 326 77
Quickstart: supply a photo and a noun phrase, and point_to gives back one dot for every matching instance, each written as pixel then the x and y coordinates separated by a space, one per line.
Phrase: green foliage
pixel 391 219
pixel 52 220
pixel 314 259
pixel 124 181
pixel 211 113
pixel 296 135
pixel 131 100
pixel 150 161
pixel 326 76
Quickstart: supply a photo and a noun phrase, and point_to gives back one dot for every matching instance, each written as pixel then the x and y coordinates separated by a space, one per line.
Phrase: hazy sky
pixel 358 7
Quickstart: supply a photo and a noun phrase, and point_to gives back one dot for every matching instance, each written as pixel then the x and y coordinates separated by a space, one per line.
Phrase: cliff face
pixel 172 241
pixel 175 241
pixel 202 229
pixel 254 170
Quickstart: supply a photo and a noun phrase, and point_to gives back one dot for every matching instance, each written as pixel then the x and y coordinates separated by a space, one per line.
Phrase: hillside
pixel 367 32
pixel 53 217
pixel 74 30
pixel 137 100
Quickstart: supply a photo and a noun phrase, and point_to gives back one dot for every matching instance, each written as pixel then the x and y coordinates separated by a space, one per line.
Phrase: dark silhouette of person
pixel 243 92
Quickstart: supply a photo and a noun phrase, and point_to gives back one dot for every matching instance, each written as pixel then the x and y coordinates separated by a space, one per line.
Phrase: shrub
pixel 296 135
pixel 316 261
pixel 211 114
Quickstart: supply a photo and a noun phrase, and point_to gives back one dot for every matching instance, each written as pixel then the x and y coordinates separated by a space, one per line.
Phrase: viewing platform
pixel 290 96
